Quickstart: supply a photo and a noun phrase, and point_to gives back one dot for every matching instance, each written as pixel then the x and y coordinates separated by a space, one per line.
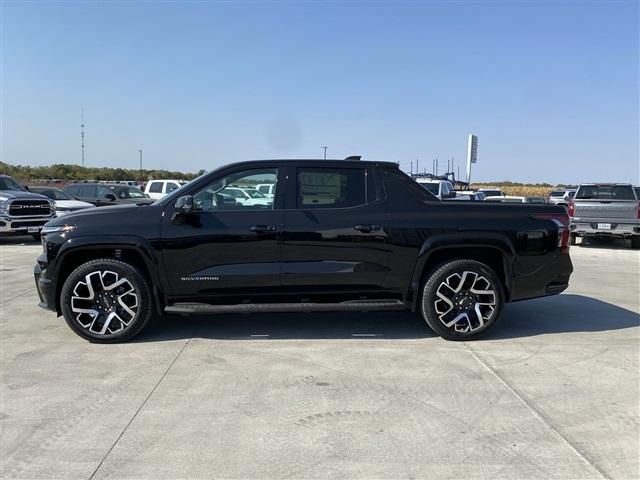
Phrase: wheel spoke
pixel 100 299
pixel 465 301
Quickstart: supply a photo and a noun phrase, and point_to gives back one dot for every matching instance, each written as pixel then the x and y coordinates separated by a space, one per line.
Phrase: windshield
pixel 556 194
pixel 52 193
pixel 606 192
pixel 431 187
pixel 8 183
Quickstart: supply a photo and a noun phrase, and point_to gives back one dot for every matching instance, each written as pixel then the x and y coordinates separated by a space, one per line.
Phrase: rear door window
pixel 87 192
pixel 331 187
pixel 155 187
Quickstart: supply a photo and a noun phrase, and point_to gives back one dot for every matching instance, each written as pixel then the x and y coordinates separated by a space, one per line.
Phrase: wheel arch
pixel 134 251
pixel 494 250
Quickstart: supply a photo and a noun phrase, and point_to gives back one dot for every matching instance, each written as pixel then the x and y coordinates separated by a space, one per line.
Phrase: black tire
pixel 635 241
pixel 465 301
pixel 573 239
pixel 111 307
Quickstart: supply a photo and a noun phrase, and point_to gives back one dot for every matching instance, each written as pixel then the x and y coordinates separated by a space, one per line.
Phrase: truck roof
pixel 312 161
pixel 604 183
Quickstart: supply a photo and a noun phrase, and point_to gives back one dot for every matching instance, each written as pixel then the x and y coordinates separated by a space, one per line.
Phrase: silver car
pixel 562 197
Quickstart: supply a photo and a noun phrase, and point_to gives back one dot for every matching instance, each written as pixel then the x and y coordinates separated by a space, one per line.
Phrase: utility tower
pixel 82 133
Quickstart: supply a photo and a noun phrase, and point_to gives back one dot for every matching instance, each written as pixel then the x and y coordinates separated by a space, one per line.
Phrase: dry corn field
pixel 526 190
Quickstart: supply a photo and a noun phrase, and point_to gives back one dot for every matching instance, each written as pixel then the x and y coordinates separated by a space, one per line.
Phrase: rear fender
pixel 462 245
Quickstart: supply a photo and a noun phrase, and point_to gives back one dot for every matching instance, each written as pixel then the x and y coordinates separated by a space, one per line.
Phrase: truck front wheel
pixel 106 301
pixel 635 241
pixel 462 300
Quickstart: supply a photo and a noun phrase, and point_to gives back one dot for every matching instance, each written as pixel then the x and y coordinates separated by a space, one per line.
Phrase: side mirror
pixel 110 196
pixel 184 204
pixel 451 194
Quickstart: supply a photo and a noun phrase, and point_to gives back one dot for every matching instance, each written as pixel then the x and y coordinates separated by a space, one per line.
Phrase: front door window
pixel 237 191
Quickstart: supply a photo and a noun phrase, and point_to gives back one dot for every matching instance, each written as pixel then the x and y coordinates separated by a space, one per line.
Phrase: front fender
pixel 140 245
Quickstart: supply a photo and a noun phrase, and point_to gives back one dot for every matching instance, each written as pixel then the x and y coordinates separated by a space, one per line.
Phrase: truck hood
pixel 11 194
pixel 135 201
pixel 115 220
pixel 73 204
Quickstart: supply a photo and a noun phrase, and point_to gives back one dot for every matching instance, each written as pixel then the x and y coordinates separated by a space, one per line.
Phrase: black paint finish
pixel 379 250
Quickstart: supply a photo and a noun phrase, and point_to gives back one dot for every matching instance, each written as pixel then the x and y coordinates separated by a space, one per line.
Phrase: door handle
pixel 262 228
pixel 367 228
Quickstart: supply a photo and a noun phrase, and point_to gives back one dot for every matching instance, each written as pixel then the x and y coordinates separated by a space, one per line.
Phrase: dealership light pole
pixel 82 133
pixel 325 152
pixel 140 152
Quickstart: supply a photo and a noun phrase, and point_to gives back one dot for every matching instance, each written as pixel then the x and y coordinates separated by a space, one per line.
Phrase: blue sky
pixel 550 88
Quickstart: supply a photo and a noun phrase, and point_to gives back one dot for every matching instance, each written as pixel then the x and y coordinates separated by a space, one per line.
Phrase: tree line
pixel 69 172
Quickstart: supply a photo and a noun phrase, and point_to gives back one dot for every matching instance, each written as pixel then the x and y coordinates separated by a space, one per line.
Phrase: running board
pixel 350 306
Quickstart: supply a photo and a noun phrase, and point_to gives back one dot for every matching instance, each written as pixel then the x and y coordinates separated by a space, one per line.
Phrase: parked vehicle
pixel 103 195
pixel 443 189
pixel 22 212
pixel 491 192
pixel 340 236
pixel 514 199
pixel 607 210
pixel 159 188
pixel 267 189
pixel 64 202
pixel 247 196
pixel 561 197
pixel 469 195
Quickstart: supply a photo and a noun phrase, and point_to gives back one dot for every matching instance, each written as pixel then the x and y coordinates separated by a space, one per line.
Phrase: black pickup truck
pixel 337 235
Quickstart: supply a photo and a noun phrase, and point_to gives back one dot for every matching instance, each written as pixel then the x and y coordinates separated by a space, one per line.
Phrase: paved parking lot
pixel 553 393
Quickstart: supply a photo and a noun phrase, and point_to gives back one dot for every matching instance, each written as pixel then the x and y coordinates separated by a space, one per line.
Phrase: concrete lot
pixel 553 393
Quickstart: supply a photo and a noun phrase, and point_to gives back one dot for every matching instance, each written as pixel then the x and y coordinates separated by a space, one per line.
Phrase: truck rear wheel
pixel 106 301
pixel 462 300
pixel 635 241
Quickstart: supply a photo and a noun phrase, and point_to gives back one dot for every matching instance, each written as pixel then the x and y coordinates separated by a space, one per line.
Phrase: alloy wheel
pixel 465 301
pixel 104 303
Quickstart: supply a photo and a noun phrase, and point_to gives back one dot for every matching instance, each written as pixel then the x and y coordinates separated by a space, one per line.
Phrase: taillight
pixel 639 211
pixel 562 221
pixel 571 208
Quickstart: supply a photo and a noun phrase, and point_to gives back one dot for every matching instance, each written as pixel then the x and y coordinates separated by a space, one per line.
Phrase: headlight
pixel 4 207
pixel 53 207
pixel 64 228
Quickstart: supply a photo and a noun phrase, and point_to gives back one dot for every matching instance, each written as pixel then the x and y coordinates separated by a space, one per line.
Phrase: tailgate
pixel 605 210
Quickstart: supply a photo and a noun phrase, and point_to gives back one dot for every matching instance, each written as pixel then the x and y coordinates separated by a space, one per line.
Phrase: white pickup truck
pixel 605 209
